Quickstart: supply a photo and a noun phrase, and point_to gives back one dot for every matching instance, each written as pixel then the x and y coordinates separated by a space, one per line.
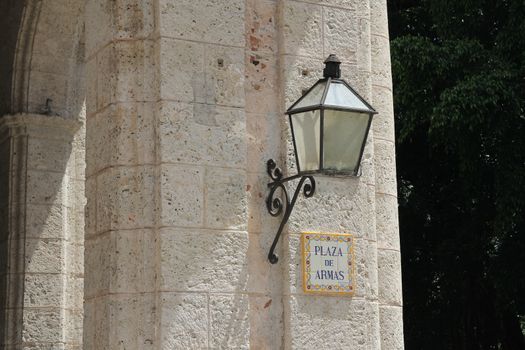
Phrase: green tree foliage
pixel 459 97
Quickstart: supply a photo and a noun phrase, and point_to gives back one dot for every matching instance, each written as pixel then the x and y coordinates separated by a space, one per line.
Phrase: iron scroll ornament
pixel 275 205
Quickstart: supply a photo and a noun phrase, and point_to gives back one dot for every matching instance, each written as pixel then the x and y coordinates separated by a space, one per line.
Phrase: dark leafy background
pixel 459 97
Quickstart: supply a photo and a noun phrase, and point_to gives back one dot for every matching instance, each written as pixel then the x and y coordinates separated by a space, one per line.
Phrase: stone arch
pixel 42 113
pixel 48 60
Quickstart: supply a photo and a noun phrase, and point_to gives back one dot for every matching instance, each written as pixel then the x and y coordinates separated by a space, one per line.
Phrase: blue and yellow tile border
pixel 309 288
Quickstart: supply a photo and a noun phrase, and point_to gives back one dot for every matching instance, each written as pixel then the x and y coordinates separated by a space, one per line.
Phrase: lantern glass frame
pixel 337 95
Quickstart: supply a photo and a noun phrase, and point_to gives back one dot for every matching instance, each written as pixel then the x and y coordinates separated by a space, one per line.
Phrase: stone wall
pixel 42 92
pixel 41 232
pixel 185 105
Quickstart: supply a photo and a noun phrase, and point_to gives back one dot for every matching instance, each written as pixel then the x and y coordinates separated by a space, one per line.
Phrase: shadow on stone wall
pixel 4 193
pixel 41 71
pixel 38 204
pixel 10 17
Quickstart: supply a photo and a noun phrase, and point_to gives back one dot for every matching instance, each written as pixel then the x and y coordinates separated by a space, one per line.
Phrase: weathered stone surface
pixel 262 81
pixel 90 227
pixel 391 327
pixel 48 154
pixel 366 268
pixel 387 222
pixel 181 66
pixel 75 198
pixel 185 321
pixel 302 29
pixel 74 258
pixel 202 134
pixel 46 347
pixel 367 167
pixel 342 33
pixel 263 142
pixel 357 5
pixel 211 21
pixel 74 297
pixel 42 325
pixel 121 19
pixel 195 72
pixel 261 26
pixel 261 85
pixel 259 219
pixel 299 74
pixel 123 134
pixel 41 290
pixel 389 274
pixel 309 314
pixel 126 72
pixel 125 321
pixel 381 71
pixel 78 163
pixel 224 76
pixel 289 251
pixel 91 86
pixel 125 198
pixel 379 17
pixel 88 334
pixel 73 327
pixel 102 322
pixel 132 261
pixel 263 277
pixel 49 194
pixel 229 321
pixel 97 257
pixel 383 122
pixel 129 261
pixel 374 337
pixel 343 205
pixel 47 221
pixel 46 86
pixel 225 198
pixel 132 322
pixel 385 167
pixel 182 196
pixel 44 255
pixel 195 260
pixel 266 322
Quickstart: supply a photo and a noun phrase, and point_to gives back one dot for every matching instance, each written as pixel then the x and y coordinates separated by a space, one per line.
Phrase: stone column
pixel 310 32
pixel 185 105
pixel 264 123
pixel 166 232
pixel 121 240
pixel 41 232
pixel 387 227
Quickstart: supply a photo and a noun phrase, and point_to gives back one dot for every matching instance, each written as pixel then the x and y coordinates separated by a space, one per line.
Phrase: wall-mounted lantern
pixel 329 124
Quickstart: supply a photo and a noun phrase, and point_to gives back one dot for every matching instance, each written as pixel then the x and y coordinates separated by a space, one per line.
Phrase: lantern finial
pixel 332 69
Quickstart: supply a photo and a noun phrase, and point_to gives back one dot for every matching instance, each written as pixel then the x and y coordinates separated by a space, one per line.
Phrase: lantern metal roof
pixel 331 92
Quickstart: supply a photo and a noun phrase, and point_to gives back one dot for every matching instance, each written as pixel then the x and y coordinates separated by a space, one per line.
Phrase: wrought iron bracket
pixel 275 204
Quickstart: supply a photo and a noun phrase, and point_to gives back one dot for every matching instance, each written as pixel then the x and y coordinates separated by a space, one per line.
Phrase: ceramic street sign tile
pixel 328 263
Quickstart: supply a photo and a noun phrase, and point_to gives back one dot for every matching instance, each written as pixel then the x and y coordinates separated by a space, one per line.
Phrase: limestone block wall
pixel 387 226
pixel 185 104
pixel 340 205
pixel 41 232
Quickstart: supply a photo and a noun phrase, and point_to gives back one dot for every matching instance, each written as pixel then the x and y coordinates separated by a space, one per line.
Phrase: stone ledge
pixel 38 124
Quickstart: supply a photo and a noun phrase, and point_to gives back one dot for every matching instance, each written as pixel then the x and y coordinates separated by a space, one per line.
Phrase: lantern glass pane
pixel 306 129
pixel 313 97
pixel 343 137
pixel 340 95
